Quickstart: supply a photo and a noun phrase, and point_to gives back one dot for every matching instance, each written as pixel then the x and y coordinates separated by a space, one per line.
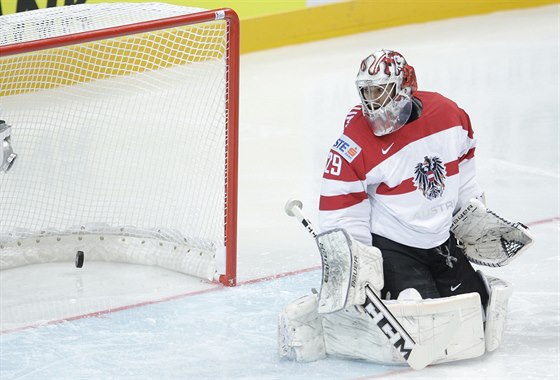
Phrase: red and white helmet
pixel 386 83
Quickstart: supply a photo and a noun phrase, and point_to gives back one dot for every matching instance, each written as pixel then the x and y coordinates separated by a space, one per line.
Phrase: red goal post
pixel 31 231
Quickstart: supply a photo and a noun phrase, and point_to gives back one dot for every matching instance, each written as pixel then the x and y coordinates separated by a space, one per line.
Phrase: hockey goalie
pixel 404 218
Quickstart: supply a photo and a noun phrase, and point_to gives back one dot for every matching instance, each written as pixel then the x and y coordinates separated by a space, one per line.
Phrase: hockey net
pixel 124 121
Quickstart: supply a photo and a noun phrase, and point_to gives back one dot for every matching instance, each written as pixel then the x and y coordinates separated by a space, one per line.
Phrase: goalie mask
pixel 385 83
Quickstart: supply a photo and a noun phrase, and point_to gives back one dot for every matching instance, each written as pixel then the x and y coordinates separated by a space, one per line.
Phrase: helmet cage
pixel 376 96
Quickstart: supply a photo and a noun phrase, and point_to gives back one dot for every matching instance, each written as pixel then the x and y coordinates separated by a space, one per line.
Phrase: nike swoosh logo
pixel 453 288
pixel 385 151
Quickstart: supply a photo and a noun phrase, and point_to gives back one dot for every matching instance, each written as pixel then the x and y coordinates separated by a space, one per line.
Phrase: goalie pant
pixel 305 335
pixel 442 271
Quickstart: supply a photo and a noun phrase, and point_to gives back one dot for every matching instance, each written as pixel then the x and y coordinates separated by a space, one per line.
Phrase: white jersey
pixel 405 185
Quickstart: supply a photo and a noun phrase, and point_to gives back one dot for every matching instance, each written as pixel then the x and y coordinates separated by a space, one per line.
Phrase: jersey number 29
pixel 334 164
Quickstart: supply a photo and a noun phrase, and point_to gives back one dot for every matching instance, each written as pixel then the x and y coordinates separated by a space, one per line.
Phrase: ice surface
pixel 501 68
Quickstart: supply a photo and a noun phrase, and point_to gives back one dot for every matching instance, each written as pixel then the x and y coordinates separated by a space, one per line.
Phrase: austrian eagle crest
pixel 429 177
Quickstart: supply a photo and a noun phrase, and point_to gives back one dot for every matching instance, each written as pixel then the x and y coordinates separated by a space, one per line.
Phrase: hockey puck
pixel 79 259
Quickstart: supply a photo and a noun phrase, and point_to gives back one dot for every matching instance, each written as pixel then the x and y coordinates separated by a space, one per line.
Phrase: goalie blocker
pixel 447 329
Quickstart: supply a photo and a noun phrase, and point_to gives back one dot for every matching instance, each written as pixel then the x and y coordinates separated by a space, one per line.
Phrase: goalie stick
pixel 415 355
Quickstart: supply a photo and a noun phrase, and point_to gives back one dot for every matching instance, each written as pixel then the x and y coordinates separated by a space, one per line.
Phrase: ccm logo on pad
pixel 347 148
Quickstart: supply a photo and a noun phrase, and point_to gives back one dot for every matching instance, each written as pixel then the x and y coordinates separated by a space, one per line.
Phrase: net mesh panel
pixel 123 135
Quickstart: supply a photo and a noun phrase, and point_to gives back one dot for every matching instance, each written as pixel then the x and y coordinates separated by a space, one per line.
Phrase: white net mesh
pixel 61 21
pixel 122 136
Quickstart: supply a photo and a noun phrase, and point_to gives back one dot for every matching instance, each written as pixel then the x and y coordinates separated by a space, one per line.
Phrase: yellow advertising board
pixel 268 24
pixel 244 8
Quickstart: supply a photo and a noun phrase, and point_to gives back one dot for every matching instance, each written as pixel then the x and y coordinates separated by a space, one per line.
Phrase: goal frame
pixel 231 100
